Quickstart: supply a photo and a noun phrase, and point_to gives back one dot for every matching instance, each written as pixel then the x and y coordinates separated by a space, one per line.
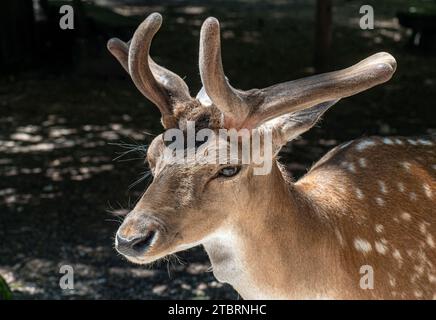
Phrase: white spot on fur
pixel 401 187
pixel 359 194
pixel 430 241
pixel 419 269
pixel 364 144
pixel 398 141
pixel 362 245
pixel 362 162
pixel 382 186
pixel 412 196
pixel 339 237
pixel 387 141
pixel 406 216
pixel 418 293
pixel 423 228
pixel 380 248
pixel 392 281
pixel 379 228
pixel 425 142
pixel 427 190
pixel 406 165
pixel 397 255
pixel 412 142
pixel 349 166
pixel 380 201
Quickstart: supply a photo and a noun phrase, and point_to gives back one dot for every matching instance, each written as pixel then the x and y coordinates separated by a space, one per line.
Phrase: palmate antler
pixel 304 99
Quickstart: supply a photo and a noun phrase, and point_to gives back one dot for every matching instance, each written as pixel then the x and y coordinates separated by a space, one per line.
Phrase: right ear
pixel 289 126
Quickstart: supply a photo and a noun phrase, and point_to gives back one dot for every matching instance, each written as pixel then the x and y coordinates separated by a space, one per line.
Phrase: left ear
pixel 289 126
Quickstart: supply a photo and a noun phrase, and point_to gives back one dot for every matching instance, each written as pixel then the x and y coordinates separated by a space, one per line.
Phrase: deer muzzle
pixel 135 238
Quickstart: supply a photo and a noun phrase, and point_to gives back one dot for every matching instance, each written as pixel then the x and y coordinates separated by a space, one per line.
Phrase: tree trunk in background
pixel 323 36
pixel 16 32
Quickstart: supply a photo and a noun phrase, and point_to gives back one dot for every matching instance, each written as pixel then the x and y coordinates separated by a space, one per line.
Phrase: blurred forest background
pixel 68 110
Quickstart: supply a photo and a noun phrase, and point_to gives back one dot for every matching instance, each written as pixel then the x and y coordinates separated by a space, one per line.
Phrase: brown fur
pixel 298 238
pixel 266 235
pixel 193 111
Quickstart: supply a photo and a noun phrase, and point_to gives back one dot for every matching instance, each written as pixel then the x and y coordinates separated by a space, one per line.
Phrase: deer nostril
pixel 136 245
pixel 142 243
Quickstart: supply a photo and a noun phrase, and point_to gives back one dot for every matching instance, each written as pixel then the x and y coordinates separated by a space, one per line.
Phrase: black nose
pixel 136 245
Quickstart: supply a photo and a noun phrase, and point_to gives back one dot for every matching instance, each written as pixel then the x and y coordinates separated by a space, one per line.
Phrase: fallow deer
pixel 368 202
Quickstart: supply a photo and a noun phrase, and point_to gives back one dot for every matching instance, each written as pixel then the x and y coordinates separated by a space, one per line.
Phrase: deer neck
pixel 278 248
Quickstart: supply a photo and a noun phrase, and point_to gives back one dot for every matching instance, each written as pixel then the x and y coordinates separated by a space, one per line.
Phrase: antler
pixel 159 85
pixel 226 98
pixel 249 109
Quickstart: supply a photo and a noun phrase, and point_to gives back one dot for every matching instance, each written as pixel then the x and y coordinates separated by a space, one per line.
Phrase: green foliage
pixel 5 291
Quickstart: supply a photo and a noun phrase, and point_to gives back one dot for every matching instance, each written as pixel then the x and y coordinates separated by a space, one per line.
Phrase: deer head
pixel 187 202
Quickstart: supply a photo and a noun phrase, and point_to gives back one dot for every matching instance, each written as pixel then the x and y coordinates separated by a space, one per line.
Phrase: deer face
pixel 183 205
pixel 189 200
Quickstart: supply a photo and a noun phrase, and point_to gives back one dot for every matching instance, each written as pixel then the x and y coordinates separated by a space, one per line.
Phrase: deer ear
pixel 289 126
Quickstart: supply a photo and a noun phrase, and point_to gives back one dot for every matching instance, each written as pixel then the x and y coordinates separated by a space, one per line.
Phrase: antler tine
pixel 304 93
pixel 161 86
pixel 176 87
pixel 119 50
pixel 139 67
pixel 226 98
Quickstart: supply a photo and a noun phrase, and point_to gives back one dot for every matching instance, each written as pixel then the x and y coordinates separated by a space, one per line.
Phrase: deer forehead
pixel 194 112
pixel 191 158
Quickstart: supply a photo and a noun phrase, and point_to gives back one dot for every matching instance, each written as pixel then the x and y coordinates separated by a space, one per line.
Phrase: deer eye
pixel 229 171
